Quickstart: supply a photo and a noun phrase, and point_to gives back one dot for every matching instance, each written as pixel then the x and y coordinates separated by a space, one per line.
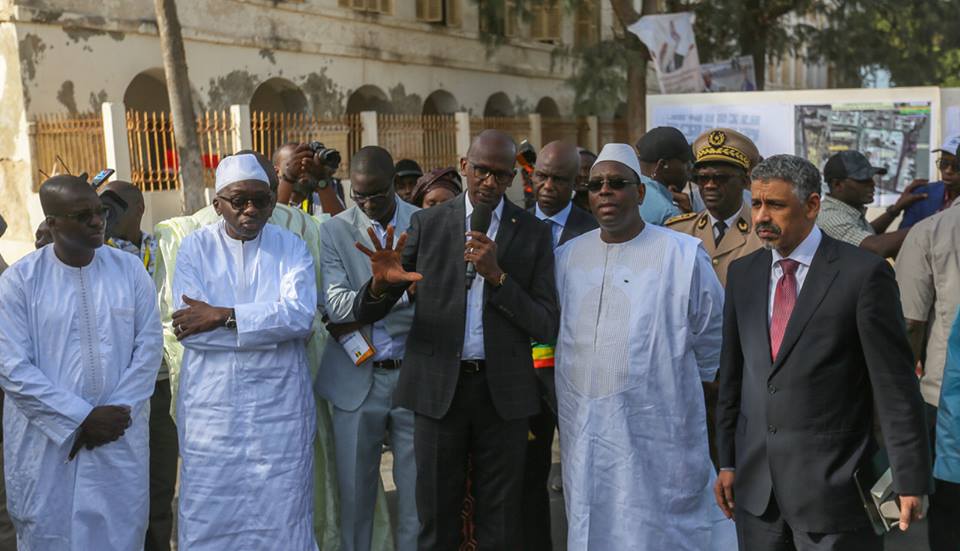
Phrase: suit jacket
pixel 524 307
pixel 578 223
pixel 801 424
pixel 739 240
pixel 345 270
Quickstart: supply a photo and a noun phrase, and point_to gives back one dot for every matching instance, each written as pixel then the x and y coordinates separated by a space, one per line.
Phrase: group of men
pixel 463 336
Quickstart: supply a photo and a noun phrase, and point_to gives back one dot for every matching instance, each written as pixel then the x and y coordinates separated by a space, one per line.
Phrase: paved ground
pixel 914 540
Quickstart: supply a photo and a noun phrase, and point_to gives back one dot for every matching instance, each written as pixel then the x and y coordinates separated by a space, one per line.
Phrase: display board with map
pixel 895 136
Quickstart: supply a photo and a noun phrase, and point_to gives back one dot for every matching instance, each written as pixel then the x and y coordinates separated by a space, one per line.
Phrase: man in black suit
pixel 554 177
pixel 813 338
pixel 467 372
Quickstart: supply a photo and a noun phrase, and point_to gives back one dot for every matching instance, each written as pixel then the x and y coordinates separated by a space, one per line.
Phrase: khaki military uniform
pixel 738 241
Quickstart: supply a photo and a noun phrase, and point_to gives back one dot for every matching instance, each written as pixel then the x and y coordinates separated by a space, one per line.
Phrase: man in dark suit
pixel 554 176
pixel 813 339
pixel 467 371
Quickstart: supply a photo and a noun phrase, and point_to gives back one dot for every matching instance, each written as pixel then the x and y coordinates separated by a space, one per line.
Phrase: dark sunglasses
pixel 240 203
pixel 720 179
pixel 594 186
pixel 952 164
pixel 85 216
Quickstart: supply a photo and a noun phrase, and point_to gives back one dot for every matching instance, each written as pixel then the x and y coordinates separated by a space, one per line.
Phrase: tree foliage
pixel 917 41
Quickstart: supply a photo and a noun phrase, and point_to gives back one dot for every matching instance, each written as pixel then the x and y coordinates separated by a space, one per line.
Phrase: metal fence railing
pixel 431 140
pixel 153 150
pixel 272 130
pixel 67 144
pixel 555 129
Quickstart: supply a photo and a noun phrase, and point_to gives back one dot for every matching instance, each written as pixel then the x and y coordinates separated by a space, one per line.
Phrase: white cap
pixel 950 145
pixel 621 153
pixel 239 168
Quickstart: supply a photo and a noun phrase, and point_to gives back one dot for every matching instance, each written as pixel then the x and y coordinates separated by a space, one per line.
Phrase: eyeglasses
pixel 239 203
pixel 594 186
pixel 952 164
pixel 719 179
pixel 360 198
pixel 501 177
pixel 86 216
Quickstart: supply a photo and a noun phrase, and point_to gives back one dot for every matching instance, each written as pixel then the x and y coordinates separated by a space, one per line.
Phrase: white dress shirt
pixel 559 221
pixel 803 254
pixel 387 347
pixel 473 328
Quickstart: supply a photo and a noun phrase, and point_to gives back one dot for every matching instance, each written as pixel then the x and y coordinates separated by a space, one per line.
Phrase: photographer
pixel 306 177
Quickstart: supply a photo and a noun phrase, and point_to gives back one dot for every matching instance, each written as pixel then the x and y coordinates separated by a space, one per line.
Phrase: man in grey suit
pixel 362 395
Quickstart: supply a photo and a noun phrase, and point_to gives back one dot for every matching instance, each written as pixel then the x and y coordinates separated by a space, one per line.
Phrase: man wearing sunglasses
pixel 467 370
pixel 940 194
pixel 80 343
pixel 852 183
pixel 723 159
pixel 640 328
pixel 246 295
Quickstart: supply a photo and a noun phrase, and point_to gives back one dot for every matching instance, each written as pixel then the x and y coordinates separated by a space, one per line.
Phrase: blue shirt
pixel 657 204
pixel 926 207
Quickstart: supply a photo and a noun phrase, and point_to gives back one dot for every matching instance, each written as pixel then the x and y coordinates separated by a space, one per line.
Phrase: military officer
pixel 723 159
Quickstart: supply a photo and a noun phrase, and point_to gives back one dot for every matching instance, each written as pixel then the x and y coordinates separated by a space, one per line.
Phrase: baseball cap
pixel 663 142
pixel 408 167
pixel 850 164
pixel 950 145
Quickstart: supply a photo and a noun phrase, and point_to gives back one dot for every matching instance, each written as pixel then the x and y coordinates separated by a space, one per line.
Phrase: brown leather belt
pixel 472 366
pixel 387 364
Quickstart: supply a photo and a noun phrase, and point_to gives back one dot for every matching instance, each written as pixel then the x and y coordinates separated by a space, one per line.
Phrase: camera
pixel 329 157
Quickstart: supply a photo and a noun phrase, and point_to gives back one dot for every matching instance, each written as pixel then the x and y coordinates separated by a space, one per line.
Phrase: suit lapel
pixel 821 274
pixel 507 229
pixel 360 223
pixel 758 290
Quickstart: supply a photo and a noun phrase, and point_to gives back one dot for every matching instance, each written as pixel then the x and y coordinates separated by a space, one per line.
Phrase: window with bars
pixel 587 24
pixel 445 12
pixel 384 7
pixel 545 25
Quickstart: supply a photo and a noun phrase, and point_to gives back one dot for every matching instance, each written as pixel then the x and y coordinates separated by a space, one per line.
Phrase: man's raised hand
pixel 385 262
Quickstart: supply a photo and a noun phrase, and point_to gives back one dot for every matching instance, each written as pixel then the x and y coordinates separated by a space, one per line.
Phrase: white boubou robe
pixel 71 339
pixel 246 416
pixel 640 329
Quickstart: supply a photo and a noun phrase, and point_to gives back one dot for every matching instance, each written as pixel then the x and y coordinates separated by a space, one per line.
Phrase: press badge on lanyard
pixel 357 347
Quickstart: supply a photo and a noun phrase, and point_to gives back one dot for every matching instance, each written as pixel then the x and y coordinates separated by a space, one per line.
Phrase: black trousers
pixel 770 532
pixel 497 446
pixel 536 498
pixel 164 451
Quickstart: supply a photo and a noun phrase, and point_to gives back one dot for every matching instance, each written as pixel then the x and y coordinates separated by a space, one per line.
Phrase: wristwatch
pixel 231 322
pixel 503 277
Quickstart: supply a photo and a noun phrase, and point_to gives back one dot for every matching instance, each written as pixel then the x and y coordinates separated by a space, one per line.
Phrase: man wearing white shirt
pixel 467 371
pixel 361 390
pixel 813 343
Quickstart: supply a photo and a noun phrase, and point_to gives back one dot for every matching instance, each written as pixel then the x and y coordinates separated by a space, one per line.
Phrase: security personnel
pixel 723 159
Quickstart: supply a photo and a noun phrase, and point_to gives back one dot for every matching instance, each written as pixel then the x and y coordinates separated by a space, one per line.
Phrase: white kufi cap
pixel 621 153
pixel 239 168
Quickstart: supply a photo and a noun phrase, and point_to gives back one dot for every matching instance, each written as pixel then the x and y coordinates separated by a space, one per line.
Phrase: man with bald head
pixel 123 232
pixel 554 180
pixel 361 388
pixel 80 344
pixel 467 372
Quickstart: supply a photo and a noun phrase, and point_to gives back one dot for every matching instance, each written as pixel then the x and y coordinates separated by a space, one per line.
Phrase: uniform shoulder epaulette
pixel 680 218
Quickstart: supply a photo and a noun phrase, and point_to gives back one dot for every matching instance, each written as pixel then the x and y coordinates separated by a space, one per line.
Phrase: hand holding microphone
pixel 480 251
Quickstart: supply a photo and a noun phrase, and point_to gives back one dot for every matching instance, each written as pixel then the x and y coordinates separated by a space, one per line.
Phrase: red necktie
pixel 783 301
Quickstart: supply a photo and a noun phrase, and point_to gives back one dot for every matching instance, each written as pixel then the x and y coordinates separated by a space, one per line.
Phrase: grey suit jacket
pixel 345 270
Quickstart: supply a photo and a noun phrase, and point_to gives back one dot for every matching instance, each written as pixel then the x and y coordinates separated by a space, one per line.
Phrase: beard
pixel 768 244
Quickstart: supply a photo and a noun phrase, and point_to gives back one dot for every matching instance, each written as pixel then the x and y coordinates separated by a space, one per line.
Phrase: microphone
pixel 479 221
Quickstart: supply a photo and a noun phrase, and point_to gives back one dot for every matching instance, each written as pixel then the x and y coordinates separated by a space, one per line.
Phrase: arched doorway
pixel 368 98
pixel 278 95
pixel 147 92
pixel 498 105
pixel 440 102
pixel 547 108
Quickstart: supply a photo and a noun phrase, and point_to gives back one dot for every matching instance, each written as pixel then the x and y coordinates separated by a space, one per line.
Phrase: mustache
pixel 768 226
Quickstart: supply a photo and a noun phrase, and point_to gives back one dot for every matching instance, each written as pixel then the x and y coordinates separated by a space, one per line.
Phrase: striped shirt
pixel 843 222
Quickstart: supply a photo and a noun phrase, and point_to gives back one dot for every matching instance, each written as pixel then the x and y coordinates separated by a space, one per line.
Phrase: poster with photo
pixel 731 75
pixel 893 135
pixel 673 47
